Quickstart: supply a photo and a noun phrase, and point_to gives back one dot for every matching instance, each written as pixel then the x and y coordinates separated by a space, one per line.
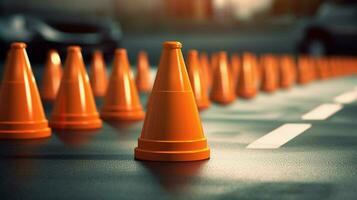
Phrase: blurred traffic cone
pixel 206 71
pixel 247 83
pixel 74 107
pixel 222 88
pixel 269 73
pixel 214 63
pixel 286 72
pixel 143 76
pixel 51 77
pixel 172 129
pixel 195 73
pixel 312 69
pixel 235 64
pixel 303 73
pixel 257 69
pixel 293 69
pixel 121 103
pixel 98 74
pixel 21 111
pixel 325 74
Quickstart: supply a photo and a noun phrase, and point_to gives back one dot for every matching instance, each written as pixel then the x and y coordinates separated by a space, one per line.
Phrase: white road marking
pixel 322 112
pixel 347 97
pixel 279 136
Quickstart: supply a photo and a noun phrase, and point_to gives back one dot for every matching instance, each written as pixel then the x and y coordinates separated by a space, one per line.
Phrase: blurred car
pixel 333 30
pixel 44 34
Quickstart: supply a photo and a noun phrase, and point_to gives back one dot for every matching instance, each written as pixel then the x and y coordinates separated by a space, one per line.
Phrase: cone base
pixel 144 90
pixel 158 150
pixel 203 105
pixel 47 96
pixel 123 115
pixel 269 90
pixel 48 99
pixel 98 95
pixel 172 156
pixel 76 125
pixel 223 101
pixel 25 134
pixel 247 94
pixel 285 87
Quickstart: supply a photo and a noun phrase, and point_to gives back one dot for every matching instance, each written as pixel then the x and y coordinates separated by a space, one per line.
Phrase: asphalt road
pixel 320 163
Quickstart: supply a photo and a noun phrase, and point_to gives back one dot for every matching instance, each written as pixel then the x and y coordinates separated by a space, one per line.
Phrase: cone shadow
pixel 76 139
pixel 12 148
pixel 175 177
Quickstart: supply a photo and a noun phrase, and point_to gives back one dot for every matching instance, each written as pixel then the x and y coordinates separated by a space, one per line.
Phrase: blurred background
pixel 316 27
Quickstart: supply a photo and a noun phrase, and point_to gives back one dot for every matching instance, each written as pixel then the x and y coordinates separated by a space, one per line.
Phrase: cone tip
pixel 52 51
pixel 193 51
pixel 97 51
pixel 74 48
pixel 18 45
pixel 120 51
pixel 172 45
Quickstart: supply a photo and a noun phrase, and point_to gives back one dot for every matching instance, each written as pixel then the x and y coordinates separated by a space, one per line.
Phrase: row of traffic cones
pixel 21 111
pixel 243 76
pixel 268 73
pixel 98 75
pixel 172 129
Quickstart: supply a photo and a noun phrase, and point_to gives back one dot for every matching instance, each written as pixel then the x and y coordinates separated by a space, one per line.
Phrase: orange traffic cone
pixel 269 73
pixel 323 68
pixel 206 71
pixel 214 63
pixel 143 77
pixel 51 77
pixel 286 72
pixel 98 74
pixel 222 88
pixel 172 129
pixel 257 68
pixel 121 103
pixel 247 83
pixel 303 71
pixel 21 111
pixel 235 64
pixel 74 107
pixel 195 73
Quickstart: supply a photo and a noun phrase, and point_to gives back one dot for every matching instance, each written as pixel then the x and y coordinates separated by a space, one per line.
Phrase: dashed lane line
pixel 279 136
pixel 322 112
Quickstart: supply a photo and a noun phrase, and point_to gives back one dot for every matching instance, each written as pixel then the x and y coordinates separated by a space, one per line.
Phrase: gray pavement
pixel 321 163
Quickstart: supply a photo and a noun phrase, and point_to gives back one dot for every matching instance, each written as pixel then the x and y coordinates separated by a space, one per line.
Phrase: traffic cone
pixel 21 111
pixel 143 76
pixel 195 73
pixel 312 68
pixel 322 66
pixel 74 107
pixel 98 74
pixel 222 88
pixel 269 74
pixel 293 69
pixel 121 103
pixel 206 71
pixel 303 73
pixel 214 63
pixel 235 64
pixel 257 69
pixel 286 72
pixel 51 77
pixel 247 83
pixel 172 129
